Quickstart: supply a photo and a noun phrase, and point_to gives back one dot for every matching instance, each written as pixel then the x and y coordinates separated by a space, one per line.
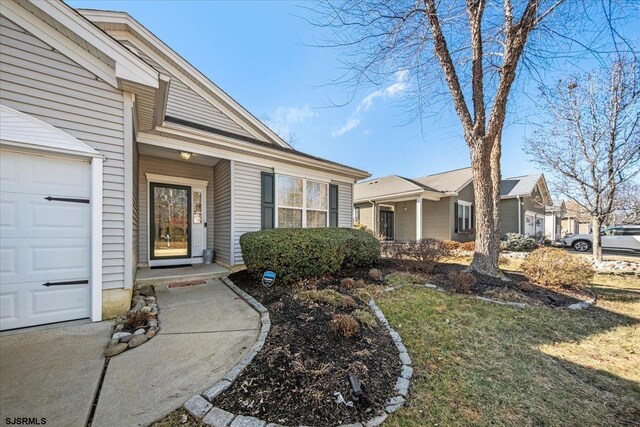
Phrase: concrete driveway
pixel 52 373
pixel 204 331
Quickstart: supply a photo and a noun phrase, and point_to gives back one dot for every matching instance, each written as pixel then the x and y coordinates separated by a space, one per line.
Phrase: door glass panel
pixel 197 207
pixel 171 221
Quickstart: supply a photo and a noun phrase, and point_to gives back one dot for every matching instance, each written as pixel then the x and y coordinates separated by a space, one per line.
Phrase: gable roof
pixel 23 130
pixel 118 24
pixel 448 182
pixel 392 185
pixel 519 185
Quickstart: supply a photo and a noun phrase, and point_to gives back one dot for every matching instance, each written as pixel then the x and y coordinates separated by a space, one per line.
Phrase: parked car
pixel 624 237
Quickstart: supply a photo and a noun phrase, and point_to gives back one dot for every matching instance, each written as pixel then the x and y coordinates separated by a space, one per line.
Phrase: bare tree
pixel 588 141
pixel 628 213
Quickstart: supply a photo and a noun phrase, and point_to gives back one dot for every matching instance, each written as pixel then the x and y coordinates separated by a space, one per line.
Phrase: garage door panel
pixel 30 215
pixel 45 260
pixel 50 176
pixel 27 304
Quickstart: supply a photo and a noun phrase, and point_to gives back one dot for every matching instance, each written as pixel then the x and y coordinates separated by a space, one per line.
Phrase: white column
pixel 96 239
pixel 419 218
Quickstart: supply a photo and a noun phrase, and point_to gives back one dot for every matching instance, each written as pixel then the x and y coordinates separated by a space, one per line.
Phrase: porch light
pixel 185 155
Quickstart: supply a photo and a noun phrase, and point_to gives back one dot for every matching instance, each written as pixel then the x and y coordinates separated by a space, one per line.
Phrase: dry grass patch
pixel 326 296
pixel 402 278
pixel 365 317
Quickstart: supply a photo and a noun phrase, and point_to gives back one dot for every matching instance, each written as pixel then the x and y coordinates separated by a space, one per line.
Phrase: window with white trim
pixel 463 217
pixel 302 202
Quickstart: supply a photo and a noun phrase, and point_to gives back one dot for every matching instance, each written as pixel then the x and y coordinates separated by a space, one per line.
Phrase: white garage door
pixel 44 239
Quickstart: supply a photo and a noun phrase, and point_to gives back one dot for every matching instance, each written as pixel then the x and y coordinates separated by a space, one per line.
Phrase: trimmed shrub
pixel 345 325
pixel 461 282
pixel 556 267
pixel 300 253
pixel 519 242
pixel 468 246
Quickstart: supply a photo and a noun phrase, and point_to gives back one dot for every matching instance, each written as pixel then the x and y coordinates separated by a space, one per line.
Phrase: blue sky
pixel 260 53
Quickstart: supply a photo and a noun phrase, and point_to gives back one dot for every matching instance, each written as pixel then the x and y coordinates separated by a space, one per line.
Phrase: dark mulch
pixel 293 378
pixel 517 287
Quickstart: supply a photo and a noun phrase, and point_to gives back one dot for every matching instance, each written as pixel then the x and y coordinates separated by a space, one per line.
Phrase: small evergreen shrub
pixel 556 267
pixel 344 325
pixel 461 282
pixel 301 253
pixel 519 242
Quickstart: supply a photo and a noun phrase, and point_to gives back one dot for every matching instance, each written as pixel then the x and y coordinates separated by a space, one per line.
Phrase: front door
pixel 386 224
pixel 170 231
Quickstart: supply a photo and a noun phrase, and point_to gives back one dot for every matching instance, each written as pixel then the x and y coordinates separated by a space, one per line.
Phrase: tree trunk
pixel 596 224
pixel 485 258
pixel 496 181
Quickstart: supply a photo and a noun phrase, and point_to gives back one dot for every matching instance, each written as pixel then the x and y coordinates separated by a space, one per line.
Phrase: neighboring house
pixel 553 221
pixel 117 153
pixel 388 206
pixel 575 220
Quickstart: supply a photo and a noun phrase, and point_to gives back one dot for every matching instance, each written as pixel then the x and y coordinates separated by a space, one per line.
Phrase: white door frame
pixel 176 180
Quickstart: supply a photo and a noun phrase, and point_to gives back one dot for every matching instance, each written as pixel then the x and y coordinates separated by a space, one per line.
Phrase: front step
pixel 146 275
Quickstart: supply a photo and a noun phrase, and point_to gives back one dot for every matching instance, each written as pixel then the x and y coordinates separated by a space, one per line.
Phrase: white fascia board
pixel 128 66
pixel 255 151
pixel 233 106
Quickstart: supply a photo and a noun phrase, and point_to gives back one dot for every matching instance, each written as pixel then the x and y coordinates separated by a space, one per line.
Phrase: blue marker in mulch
pixel 268 278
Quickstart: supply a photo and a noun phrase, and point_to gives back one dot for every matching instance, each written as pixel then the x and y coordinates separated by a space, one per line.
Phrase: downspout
pixel 519 217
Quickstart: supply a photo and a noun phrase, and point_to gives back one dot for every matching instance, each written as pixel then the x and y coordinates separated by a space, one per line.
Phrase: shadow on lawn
pixel 616 294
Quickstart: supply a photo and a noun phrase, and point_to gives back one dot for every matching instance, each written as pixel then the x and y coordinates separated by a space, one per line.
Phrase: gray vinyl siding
pixel 437 218
pixel 184 103
pixel 135 250
pixel 509 216
pixel 345 204
pixel 405 221
pixel 41 82
pixel 366 214
pixel 222 211
pixel 533 203
pixel 177 168
pixel 246 203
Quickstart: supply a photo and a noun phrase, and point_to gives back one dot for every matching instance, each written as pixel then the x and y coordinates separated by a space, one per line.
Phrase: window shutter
pixel 268 200
pixel 333 205
pixel 471 218
pixel 455 217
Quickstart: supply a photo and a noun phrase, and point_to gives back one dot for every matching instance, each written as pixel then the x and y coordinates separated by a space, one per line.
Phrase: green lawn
pixel 485 364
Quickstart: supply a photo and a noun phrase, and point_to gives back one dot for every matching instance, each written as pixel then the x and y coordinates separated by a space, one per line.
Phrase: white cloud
pixel 351 124
pixel 284 119
pixel 400 84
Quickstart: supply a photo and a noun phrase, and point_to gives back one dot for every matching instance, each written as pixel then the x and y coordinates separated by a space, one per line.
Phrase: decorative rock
pixel 137 340
pixel 376 421
pixel 139 306
pixel 151 298
pixel 146 290
pixel 218 418
pixel 394 404
pixel 244 421
pixel 115 350
pixel 119 335
pixel 112 342
pixel 146 309
pixel 126 339
pixel 197 406
pixel 430 286
pixel 213 392
pixel 151 333
pixel 138 331
pixel 402 386
pixel 152 323
pixel 119 327
pixel 352 425
pixel 407 372
pixel 375 274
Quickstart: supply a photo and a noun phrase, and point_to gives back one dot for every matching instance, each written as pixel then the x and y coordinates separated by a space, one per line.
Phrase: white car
pixel 624 238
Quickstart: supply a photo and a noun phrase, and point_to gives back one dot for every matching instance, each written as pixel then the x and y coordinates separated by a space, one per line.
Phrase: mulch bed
pixel 516 289
pixel 293 378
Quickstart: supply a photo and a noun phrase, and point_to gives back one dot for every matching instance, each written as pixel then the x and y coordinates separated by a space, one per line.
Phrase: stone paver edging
pixel 200 405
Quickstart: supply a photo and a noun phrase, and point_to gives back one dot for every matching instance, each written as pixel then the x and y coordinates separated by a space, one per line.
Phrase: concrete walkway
pixel 54 373
pixel 204 331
